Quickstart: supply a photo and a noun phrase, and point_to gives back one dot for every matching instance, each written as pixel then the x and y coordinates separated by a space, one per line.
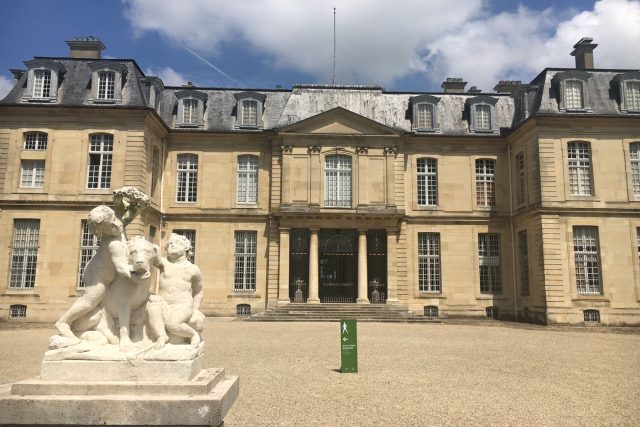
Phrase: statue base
pixel 120 393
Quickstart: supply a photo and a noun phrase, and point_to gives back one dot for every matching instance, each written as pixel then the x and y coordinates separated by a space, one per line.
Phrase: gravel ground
pixel 409 374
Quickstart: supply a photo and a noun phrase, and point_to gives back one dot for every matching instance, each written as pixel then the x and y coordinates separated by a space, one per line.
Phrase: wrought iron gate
pixel 338 266
pixel 299 265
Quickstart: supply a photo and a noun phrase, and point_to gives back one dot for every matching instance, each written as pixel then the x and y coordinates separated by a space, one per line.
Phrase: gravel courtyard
pixel 410 374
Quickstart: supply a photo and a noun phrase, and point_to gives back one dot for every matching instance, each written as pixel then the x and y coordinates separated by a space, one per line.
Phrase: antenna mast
pixel 333 80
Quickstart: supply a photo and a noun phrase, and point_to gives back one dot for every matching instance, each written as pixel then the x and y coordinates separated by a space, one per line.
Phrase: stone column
pixel 390 154
pixel 362 267
pixel 283 266
pixel 313 267
pixel 286 172
pixel 314 175
pixel 392 271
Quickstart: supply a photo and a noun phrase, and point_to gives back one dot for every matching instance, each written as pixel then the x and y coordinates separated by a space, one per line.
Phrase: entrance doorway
pixel 338 266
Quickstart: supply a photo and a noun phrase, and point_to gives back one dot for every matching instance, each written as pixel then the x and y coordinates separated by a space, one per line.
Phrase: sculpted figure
pixel 174 311
pixel 109 262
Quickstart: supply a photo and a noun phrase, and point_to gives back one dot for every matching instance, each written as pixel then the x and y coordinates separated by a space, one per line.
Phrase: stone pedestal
pixel 120 393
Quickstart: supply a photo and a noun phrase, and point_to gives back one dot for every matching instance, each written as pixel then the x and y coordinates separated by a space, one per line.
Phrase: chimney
pixel 85 47
pixel 474 89
pixel 453 85
pixel 583 51
pixel 507 86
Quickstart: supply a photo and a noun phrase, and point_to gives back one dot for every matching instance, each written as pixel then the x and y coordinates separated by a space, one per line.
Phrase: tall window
pixel 247 179
pixel 338 181
pixel 573 95
pixel 586 252
pixel 524 262
pixel 24 253
pixel 634 153
pixel 35 141
pixel 42 84
pixel 187 188
pixel 106 85
pixel 638 240
pixel 88 248
pixel 579 154
pixel 100 160
pixel 249 113
pixel 429 262
pixel 155 168
pixel 191 236
pixel 489 261
pixel 485 182
pixel 427 171
pixel 632 96
pixel 424 119
pixel 32 173
pixel 245 261
pixel 190 111
pixel 483 117
pixel 521 179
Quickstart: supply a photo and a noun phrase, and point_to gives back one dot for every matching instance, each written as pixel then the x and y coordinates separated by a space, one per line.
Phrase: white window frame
pixel 629 91
pixel 421 106
pixel 573 94
pixel 489 263
pixel 89 244
pixel 580 172
pixel 244 99
pixel 42 80
pixel 247 180
pixel 32 173
pixel 521 179
pixel 194 114
pixel 570 100
pixel 338 185
pixel 190 234
pixel 35 141
pixel 24 254
pixel 245 254
pixel 100 161
pixel 523 246
pixel 187 178
pixel 485 183
pixel 483 117
pixel 429 272
pixel 482 114
pixel 634 157
pixel 107 78
pixel 106 85
pixel 586 250
pixel 190 116
pixel 249 113
pixel 41 84
pixel 427 181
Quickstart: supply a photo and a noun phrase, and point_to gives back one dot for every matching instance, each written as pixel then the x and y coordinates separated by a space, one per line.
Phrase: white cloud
pixel 380 42
pixel 169 76
pixel 5 86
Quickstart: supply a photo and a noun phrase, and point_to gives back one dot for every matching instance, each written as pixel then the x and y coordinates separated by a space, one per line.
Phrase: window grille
pixel 243 310
pixel 100 160
pixel 245 261
pixel 106 85
pixel 573 95
pixel 431 311
pixel 483 117
pixel 247 179
pixel 485 182
pixel 579 157
pixel 32 174
pixel 429 262
pixel 187 188
pixel 634 153
pixel 42 84
pixel 24 253
pixel 190 111
pixel 586 252
pixel 338 181
pixel 427 172
pixel 424 119
pixel 191 236
pixel 88 248
pixel 249 113
pixel 491 312
pixel 489 261
pixel 35 141
pixel 17 311
pixel 524 262
pixel 632 96
pixel 591 316
pixel 521 178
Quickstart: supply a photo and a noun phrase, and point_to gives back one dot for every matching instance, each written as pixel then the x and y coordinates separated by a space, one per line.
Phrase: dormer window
pixel 482 116
pixel 42 80
pixel 629 91
pixel 572 91
pixel 424 110
pixel 107 80
pixel 249 110
pixel 190 108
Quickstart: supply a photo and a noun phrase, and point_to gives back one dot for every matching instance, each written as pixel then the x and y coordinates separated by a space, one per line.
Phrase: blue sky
pixel 403 45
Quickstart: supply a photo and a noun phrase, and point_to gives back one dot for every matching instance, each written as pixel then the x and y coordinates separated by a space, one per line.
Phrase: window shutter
pixel 179 119
pixel 200 120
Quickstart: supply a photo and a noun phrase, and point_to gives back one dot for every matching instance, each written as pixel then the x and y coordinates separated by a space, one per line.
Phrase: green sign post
pixel 349 346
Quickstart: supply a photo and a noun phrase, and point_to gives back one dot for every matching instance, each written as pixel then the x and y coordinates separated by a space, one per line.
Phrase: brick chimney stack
pixel 507 86
pixel 85 47
pixel 453 85
pixel 583 51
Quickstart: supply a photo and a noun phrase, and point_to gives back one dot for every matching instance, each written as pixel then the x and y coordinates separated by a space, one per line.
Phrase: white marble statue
pixel 173 312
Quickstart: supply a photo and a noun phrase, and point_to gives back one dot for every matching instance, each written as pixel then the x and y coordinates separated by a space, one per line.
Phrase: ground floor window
pixel 587 259
pixel 24 253
pixel 243 310
pixel 491 312
pixel 489 262
pixel 431 311
pixel 245 261
pixel 429 262
pixel 591 316
pixel 88 247
pixel 17 311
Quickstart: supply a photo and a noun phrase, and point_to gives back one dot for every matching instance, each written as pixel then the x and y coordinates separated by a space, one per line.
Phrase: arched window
pixel 247 182
pixel 424 111
pixel 187 178
pixel 190 108
pixel 338 181
pixel 107 79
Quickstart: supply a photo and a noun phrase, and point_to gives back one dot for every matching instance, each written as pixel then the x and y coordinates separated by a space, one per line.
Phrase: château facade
pixel 522 204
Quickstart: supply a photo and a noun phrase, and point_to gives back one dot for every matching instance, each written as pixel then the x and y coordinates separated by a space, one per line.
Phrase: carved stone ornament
pixel 287 149
pixel 314 149
pixel 390 151
pixel 362 150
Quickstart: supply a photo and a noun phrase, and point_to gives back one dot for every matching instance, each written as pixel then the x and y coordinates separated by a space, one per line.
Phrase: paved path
pixel 410 375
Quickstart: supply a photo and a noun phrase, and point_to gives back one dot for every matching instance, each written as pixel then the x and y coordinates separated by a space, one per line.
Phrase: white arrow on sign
pixel 345 339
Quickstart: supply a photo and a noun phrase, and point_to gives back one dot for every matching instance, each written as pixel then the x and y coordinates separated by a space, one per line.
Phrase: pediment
pixel 342 122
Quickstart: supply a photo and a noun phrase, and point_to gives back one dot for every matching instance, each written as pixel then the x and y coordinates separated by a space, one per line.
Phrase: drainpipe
pixel 513 243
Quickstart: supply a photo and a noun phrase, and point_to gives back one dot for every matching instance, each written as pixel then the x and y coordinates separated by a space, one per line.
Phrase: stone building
pixel 523 203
